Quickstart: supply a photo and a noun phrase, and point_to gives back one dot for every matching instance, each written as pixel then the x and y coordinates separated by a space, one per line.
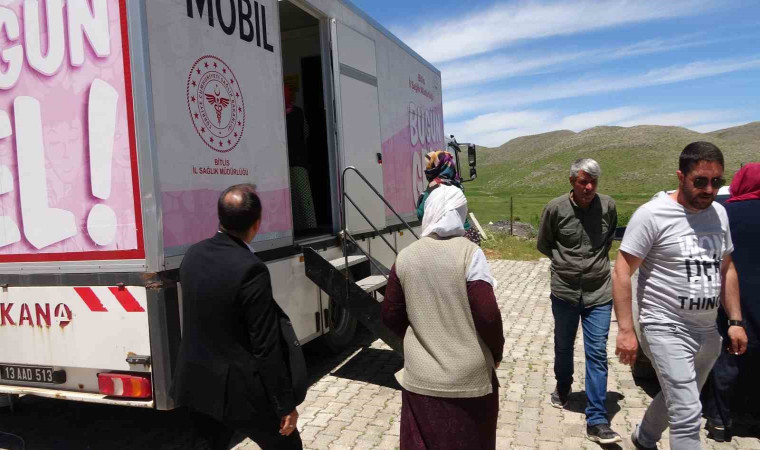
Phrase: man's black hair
pixel 238 214
pixel 696 152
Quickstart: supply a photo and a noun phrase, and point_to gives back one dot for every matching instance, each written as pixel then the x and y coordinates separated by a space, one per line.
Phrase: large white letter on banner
pixel 9 233
pixel 50 63
pixel 43 225
pixel 12 56
pixel 94 26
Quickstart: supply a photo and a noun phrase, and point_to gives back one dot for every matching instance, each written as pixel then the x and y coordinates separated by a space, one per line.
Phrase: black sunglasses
pixel 701 182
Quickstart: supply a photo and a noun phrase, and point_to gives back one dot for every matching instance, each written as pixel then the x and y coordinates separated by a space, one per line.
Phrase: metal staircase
pixel 355 279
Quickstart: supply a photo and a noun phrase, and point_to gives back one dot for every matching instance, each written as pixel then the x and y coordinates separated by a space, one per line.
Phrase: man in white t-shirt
pixel 681 243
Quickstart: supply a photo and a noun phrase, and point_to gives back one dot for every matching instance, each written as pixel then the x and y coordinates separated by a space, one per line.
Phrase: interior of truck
pixel 310 155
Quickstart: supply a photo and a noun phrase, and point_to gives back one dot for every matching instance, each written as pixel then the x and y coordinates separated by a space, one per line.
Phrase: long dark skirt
pixel 437 423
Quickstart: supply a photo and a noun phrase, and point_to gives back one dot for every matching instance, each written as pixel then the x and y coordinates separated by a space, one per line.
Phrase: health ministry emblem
pixel 215 103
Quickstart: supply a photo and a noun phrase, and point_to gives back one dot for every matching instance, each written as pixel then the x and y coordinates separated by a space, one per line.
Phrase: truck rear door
pixel 359 122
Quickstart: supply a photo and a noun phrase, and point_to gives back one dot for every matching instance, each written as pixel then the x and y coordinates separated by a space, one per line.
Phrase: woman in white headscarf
pixel 440 299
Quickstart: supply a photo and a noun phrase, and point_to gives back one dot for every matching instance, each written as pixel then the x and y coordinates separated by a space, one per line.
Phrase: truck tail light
pixel 121 385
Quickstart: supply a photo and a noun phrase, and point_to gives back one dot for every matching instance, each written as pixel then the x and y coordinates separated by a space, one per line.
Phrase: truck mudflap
pixel 62 338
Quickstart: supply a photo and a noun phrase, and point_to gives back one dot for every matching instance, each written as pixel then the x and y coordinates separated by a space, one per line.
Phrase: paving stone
pixel 322 441
pixel 322 420
pixel 335 427
pixel 523 438
pixel 745 442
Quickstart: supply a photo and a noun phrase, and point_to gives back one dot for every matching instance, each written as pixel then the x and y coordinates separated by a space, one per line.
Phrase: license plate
pixel 32 374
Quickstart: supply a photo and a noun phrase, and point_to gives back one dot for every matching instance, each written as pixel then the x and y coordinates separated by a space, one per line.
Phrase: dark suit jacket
pixel 231 363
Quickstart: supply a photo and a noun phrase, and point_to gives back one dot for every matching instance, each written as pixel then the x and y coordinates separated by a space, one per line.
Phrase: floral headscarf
pixel 441 167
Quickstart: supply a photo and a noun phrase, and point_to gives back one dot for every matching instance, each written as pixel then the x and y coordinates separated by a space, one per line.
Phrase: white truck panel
pixel 356 50
pixel 296 294
pixel 85 327
pixel 410 105
pixel 361 142
pixel 219 115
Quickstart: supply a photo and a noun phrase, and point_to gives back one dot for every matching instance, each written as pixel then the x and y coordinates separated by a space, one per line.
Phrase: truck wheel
pixel 342 327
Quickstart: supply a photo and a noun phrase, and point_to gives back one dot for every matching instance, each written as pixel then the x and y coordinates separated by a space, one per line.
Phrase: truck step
pixel 372 283
pixel 353 260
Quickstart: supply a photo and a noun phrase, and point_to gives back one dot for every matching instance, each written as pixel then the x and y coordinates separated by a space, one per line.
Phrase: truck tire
pixel 342 327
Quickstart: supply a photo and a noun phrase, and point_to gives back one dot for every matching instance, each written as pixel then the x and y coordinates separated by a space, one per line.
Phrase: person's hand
pixel 288 423
pixel 738 337
pixel 626 348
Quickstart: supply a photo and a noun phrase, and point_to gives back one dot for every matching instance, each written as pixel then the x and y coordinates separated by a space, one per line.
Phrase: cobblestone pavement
pixel 354 401
pixel 358 404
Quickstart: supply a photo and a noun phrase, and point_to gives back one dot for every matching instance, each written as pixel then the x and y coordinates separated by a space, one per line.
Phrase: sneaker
pixel 716 431
pixel 559 398
pixel 636 444
pixel 602 434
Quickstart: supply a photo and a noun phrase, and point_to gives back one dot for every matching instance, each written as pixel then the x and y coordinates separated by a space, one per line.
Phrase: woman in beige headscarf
pixel 440 299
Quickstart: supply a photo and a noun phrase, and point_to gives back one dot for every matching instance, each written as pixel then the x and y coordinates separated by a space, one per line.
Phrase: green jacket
pixel 578 241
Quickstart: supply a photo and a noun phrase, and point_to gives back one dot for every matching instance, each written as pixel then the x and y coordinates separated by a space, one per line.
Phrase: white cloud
pixel 495 129
pixel 502 120
pixel 708 127
pixel 582 121
pixel 688 119
pixel 503 25
pixel 590 86
pixel 458 74
pixel 471 71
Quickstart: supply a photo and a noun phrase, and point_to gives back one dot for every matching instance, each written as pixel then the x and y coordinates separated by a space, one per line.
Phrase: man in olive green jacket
pixel 576 232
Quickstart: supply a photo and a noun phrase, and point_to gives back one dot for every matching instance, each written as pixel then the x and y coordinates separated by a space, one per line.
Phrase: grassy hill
pixel 636 162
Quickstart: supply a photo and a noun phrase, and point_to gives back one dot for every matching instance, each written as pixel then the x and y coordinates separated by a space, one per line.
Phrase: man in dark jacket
pixel 231 370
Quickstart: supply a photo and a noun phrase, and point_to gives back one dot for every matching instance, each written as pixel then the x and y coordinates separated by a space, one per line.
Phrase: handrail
pixel 369 258
pixel 344 217
pixel 343 187
pixel 394 249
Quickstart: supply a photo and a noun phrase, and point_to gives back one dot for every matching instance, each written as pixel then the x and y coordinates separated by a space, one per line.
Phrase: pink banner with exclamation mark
pixel 68 175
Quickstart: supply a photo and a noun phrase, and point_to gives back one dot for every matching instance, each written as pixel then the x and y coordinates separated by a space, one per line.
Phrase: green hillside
pixel 636 162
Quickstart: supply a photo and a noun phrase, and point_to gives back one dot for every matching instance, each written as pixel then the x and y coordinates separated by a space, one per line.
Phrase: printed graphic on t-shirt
pixel 702 254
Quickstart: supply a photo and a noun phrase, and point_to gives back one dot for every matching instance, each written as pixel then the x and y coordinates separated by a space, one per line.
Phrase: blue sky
pixel 513 68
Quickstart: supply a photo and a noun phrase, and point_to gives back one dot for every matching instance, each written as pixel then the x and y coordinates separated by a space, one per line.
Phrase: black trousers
pixel 720 387
pixel 263 431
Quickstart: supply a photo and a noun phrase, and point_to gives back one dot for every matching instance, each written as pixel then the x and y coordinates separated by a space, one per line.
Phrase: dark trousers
pixel 264 431
pixel 596 328
pixel 721 385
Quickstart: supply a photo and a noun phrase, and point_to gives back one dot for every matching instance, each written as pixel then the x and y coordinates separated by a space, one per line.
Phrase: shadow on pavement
pixel 57 424
pixel 45 423
pixel 576 402
pixel 373 365
pixel 650 385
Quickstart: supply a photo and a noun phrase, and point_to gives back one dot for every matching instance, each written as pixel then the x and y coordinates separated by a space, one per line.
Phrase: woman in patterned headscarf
pixel 441 169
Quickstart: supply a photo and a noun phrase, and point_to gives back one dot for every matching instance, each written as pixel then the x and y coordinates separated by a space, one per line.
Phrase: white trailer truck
pixel 120 123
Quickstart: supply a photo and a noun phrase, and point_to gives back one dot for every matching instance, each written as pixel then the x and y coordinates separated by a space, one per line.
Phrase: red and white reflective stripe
pixel 127 300
pixel 90 299
pixel 122 295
